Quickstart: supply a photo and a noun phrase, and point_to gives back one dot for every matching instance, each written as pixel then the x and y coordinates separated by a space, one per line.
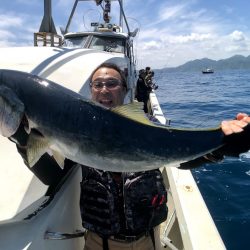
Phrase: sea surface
pixel 204 100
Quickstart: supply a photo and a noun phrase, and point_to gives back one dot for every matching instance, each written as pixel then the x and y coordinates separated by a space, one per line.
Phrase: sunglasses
pixel 109 84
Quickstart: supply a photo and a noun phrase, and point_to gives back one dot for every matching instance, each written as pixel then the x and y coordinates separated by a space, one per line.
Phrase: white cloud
pixel 16 29
pixel 184 32
pixel 172 32
pixel 64 3
pixel 151 45
pixel 5 35
pixel 10 20
pixel 237 36
pixel 150 33
pixel 193 15
pixel 171 12
pixel 193 37
pixel 28 2
pixel 174 50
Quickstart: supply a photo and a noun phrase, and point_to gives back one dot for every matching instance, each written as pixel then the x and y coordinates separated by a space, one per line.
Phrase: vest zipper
pixel 124 204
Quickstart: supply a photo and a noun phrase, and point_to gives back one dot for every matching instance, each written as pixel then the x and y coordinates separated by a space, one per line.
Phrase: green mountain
pixel 234 62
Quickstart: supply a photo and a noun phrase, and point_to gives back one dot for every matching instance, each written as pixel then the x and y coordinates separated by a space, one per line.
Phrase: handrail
pixel 47 38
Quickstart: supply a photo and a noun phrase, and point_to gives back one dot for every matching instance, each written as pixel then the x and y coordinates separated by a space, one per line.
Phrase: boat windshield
pixel 75 42
pixel 111 44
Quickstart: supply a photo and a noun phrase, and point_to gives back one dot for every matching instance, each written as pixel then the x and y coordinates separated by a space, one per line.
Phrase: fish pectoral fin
pixel 37 146
pixel 11 111
pixel 58 158
pixel 133 111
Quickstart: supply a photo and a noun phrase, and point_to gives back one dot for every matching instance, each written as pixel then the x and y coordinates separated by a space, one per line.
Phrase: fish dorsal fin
pixel 133 111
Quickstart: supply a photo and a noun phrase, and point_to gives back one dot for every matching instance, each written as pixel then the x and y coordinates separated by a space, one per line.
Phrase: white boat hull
pixel 61 215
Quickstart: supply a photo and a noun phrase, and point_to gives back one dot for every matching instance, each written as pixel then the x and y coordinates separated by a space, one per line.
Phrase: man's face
pixel 108 94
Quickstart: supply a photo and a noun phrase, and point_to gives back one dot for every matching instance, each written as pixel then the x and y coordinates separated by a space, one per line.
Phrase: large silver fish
pixel 120 139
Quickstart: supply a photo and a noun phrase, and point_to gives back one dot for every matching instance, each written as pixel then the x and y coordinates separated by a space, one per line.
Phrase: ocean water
pixel 204 100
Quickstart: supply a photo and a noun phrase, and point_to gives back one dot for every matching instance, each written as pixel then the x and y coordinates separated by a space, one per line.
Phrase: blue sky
pixel 172 32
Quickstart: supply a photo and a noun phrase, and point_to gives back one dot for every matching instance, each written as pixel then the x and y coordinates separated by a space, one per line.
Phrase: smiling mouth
pixel 106 102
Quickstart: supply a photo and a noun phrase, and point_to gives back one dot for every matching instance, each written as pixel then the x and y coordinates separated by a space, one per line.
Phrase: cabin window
pixel 109 44
pixel 75 42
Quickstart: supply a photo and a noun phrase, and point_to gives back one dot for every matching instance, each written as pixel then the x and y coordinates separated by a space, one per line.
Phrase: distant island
pixel 234 62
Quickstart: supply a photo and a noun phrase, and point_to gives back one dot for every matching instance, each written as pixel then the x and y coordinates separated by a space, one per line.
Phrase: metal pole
pixel 121 19
pixel 47 24
pixel 123 14
pixel 71 15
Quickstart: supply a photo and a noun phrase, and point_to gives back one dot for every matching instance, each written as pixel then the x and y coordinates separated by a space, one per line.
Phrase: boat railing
pixel 155 109
pixel 47 39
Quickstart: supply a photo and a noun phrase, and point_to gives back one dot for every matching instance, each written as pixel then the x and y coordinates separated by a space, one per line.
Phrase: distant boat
pixel 207 71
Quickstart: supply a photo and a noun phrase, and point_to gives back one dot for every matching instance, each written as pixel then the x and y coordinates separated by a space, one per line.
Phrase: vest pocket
pixel 98 210
pixel 145 200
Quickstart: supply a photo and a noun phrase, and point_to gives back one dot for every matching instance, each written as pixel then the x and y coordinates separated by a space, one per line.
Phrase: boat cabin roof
pixel 104 41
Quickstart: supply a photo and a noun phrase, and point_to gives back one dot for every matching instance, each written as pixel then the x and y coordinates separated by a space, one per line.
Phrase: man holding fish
pixel 120 210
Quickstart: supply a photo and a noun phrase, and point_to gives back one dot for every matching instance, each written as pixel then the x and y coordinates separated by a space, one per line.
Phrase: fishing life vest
pixel 138 205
